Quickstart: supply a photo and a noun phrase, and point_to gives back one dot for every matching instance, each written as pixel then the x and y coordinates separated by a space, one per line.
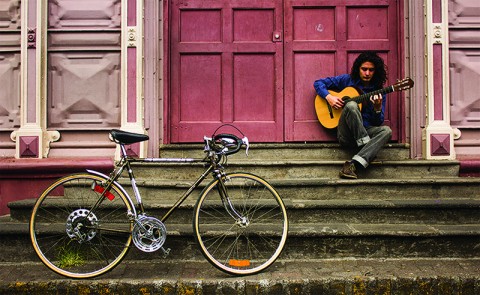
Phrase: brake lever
pixel 247 144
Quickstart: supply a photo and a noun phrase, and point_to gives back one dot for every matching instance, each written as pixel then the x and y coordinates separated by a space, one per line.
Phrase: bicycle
pixel 83 224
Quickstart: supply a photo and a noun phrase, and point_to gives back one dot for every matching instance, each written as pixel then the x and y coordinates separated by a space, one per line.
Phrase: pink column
pixel 131 66
pixel 133 149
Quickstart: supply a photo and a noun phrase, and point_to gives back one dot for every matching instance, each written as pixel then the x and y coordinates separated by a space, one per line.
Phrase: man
pixel 359 129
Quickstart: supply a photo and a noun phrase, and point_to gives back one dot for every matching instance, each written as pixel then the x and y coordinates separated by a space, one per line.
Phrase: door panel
pixel 226 67
pixel 323 40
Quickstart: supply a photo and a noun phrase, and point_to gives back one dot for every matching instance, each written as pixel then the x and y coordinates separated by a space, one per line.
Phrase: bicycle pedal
pixel 165 252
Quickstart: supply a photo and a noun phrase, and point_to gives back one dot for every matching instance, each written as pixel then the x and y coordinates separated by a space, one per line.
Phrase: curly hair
pixel 380 76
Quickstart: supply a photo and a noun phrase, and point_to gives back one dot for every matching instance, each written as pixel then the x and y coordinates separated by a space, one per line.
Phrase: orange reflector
pixel 239 263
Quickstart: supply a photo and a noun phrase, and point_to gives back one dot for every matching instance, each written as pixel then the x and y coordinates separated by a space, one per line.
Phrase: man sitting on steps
pixel 359 129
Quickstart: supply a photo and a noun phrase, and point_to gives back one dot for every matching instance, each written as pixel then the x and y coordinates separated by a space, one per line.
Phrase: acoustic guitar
pixel 329 116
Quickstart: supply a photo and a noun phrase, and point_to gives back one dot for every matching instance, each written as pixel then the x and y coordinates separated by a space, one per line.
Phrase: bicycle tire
pixel 241 248
pixel 71 240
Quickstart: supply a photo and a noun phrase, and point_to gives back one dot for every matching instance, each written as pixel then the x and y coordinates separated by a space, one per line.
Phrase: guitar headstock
pixel 404 84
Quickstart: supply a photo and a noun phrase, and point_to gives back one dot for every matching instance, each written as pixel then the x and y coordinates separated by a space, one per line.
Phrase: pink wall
pixel 25 179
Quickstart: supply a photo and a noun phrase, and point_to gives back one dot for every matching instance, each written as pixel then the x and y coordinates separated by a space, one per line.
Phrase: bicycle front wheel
pixel 240 226
pixel 76 232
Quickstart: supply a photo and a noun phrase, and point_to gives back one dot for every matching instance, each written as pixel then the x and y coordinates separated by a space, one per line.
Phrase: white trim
pixel 437 34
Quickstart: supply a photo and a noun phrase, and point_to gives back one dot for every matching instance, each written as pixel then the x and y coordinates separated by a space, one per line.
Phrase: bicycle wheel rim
pixel 103 238
pixel 241 250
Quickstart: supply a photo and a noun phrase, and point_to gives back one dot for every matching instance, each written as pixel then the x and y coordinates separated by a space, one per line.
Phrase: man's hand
pixel 335 101
pixel 377 102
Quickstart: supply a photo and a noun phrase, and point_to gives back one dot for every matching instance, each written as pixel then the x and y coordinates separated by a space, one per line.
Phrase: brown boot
pixel 348 170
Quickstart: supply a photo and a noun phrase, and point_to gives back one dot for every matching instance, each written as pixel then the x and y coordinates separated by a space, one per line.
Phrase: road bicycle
pixel 83 225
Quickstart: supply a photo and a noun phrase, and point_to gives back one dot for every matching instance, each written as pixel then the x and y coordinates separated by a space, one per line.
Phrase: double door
pixel 253 63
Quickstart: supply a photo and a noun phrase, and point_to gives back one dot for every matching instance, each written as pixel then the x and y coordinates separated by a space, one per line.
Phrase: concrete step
pixel 304 169
pixel 310 276
pixel 421 211
pixel 290 151
pixel 328 189
pixel 306 240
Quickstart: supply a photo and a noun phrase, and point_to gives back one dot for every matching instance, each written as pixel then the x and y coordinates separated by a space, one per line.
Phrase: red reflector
pixel 239 263
pixel 100 190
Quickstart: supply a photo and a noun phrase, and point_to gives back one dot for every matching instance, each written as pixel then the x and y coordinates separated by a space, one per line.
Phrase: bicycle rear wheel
pixel 246 245
pixel 73 240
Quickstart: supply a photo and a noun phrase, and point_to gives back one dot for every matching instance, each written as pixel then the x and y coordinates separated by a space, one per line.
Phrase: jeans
pixel 351 133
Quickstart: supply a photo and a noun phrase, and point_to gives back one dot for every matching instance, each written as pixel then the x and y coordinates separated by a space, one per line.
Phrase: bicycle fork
pixel 240 220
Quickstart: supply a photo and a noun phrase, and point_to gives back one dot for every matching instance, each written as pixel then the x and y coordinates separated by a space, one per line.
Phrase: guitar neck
pixel 365 97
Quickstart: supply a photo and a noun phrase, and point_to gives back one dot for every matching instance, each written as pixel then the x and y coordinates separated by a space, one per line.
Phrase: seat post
pixel 123 150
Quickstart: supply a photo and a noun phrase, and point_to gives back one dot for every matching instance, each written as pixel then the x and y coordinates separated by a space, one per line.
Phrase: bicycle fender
pixel 118 185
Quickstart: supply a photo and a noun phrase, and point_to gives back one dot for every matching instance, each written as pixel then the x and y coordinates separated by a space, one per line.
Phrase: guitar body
pixel 327 119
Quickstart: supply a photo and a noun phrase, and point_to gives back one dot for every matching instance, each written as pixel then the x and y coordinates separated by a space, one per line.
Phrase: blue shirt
pixel 338 83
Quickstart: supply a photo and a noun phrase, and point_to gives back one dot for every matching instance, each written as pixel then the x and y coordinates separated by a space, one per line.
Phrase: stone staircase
pixel 398 208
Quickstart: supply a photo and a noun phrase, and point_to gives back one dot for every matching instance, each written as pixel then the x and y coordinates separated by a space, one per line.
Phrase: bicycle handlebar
pixel 230 144
pixel 226 143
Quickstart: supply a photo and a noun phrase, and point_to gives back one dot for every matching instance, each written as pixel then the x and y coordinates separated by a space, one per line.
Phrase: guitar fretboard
pixel 366 96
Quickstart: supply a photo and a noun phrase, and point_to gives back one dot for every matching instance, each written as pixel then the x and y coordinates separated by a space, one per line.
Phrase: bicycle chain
pixel 131 233
pixel 110 245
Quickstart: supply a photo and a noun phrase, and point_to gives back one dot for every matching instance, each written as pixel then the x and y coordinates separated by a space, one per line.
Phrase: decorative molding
pixel 32 142
pixel 31 38
pixel 49 137
pixel 29 146
pixel 131 36
pixel 438 33
pixel 461 13
pixel 440 144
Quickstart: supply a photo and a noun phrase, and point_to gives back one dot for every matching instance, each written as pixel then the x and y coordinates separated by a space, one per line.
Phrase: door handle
pixel 277 36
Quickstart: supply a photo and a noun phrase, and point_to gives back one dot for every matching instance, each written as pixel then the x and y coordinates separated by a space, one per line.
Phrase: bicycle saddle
pixel 124 137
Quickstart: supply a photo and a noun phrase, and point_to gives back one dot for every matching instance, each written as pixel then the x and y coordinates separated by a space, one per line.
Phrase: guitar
pixel 329 116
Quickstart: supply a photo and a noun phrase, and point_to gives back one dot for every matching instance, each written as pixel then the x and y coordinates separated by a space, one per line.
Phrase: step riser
pixel 390 216
pixel 381 247
pixel 18 248
pixel 321 191
pixel 272 171
pixel 430 215
pixel 390 191
pixel 287 151
pixel 326 190
pixel 309 190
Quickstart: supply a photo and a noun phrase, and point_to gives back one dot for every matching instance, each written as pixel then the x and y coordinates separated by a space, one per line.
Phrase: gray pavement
pixel 322 276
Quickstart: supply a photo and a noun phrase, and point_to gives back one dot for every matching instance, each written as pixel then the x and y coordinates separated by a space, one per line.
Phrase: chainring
pixel 149 234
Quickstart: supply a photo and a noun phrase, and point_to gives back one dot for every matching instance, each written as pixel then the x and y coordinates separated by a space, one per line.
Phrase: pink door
pixel 323 39
pixel 253 63
pixel 226 67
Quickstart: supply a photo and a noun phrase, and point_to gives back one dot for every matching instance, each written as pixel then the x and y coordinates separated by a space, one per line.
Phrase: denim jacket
pixel 338 83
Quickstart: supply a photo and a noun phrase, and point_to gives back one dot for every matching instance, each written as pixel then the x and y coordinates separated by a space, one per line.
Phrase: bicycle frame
pixel 215 168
